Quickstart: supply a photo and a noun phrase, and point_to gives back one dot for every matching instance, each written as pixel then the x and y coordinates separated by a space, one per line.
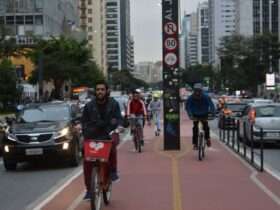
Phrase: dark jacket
pixel 96 126
pixel 199 107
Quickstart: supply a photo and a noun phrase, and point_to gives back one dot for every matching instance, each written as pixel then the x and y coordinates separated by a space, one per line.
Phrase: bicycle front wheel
pixel 107 194
pixel 96 192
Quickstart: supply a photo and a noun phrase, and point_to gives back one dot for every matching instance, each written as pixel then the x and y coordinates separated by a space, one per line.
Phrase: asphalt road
pixel 271 153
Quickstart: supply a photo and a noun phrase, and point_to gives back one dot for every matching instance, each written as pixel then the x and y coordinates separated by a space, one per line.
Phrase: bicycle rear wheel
pixel 96 194
pixel 138 140
pixel 200 147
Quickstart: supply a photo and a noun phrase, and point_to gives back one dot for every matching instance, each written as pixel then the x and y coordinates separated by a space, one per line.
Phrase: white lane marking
pixel 253 175
pixel 267 167
pixel 57 189
pixel 47 197
pixel 76 202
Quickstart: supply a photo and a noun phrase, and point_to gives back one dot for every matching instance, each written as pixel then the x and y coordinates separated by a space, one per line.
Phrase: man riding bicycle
pixel 100 117
pixel 137 107
pixel 198 106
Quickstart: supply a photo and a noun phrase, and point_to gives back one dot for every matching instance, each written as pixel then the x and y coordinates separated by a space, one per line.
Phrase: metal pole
pixel 233 133
pixel 252 144
pixel 244 141
pixel 238 136
pixel 261 150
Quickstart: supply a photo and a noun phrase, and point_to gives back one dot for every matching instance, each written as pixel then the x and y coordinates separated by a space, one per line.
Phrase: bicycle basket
pixel 94 150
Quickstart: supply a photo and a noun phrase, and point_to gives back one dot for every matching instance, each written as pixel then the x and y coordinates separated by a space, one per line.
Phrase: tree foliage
pixel 8 82
pixel 125 81
pixel 245 60
pixel 65 59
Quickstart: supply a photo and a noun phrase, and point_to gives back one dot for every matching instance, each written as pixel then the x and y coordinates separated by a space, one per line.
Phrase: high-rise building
pixel 27 18
pixel 189 37
pixel 120 45
pixel 93 21
pixel 244 17
pixel 222 22
pixel 203 34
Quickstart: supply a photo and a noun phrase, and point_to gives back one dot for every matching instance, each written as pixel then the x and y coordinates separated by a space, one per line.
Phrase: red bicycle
pixel 98 152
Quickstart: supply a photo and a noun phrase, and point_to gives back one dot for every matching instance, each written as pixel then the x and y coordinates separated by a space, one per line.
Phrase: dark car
pixel 229 114
pixel 44 131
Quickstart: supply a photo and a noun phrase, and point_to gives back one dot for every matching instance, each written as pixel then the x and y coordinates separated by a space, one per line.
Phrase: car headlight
pixel 61 133
pixel 11 137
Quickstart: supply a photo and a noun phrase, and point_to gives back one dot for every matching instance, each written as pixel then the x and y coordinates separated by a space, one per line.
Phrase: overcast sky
pixel 146 27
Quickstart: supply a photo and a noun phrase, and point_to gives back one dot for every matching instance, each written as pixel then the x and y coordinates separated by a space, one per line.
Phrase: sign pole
pixel 171 102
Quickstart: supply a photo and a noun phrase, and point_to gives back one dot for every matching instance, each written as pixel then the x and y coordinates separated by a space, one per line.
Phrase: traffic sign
pixel 170 28
pixel 170 59
pixel 170 44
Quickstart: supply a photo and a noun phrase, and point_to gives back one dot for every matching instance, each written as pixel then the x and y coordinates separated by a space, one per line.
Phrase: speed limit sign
pixel 170 43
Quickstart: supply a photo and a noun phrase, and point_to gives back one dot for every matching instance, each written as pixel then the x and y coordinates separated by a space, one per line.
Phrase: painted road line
pixel 253 175
pixel 176 185
pixel 76 202
pixel 47 197
pixel 267 167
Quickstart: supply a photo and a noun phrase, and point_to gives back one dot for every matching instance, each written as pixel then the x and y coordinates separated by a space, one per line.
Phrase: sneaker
pixel 115 177
pixel 87 196
pixel 195 147
pixel 208 142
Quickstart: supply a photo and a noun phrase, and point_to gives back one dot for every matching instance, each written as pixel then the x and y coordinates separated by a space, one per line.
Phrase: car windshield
pixel 268 111
pixel 236 107
pixel 45 114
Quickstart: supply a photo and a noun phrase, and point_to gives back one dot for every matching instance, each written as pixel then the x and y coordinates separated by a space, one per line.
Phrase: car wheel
pixel 75 155
pixel 10 165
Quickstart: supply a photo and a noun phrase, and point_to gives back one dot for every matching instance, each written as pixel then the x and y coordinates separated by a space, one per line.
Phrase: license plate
pixel 272 135
pixel 36 151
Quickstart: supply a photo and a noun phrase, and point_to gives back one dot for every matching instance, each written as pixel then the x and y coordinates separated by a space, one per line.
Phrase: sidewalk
pixel 159 180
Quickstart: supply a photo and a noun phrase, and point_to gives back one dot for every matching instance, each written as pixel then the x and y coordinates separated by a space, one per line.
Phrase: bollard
pixel 238 135
pixel 244 141
pixel 252 143
pixel 233 133
pixel 261 169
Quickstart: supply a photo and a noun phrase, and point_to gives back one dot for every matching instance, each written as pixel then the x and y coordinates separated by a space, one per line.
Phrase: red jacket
pixel 136 107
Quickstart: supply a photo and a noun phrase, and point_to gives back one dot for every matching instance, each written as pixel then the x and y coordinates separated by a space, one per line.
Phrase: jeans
pixel 156 116
pixel 87 166
pixel 195 130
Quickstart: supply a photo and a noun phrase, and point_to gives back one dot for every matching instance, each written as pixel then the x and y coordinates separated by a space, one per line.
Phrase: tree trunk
pixel 57 89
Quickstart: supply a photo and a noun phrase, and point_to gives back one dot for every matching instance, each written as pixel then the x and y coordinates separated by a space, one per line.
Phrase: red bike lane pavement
pixel 176 180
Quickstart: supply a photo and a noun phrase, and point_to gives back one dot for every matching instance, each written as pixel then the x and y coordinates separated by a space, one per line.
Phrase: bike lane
pixel 223 181
pixel 159 180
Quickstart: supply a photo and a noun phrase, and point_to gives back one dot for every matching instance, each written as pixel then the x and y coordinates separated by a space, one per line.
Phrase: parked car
pixel 229 114
pixel 44 131
pixel 258 101
pixel 266 116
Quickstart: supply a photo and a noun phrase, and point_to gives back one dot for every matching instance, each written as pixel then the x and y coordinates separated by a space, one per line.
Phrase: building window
pixel 19 20
pixel 29 19
pixel 89 2
pixel 39 20
pixel 10 20
pixel 90 28
pixel 89 11
pixel 90 37
pixel 90 20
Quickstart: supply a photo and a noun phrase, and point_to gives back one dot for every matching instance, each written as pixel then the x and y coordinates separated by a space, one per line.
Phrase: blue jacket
pixel 199 107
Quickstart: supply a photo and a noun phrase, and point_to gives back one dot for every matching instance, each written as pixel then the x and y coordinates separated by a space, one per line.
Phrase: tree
pixel 244 60
pixel 8 82
pixel 64 59
pixel 8 46
pixel 126 81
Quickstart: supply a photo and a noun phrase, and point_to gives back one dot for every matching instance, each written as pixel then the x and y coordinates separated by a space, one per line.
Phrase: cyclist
pixel 101 116
pixel 155 107
pixel 198 106
pixel 137 107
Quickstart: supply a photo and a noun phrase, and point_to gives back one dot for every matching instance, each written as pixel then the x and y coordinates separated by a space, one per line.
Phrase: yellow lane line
pixel 175 156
